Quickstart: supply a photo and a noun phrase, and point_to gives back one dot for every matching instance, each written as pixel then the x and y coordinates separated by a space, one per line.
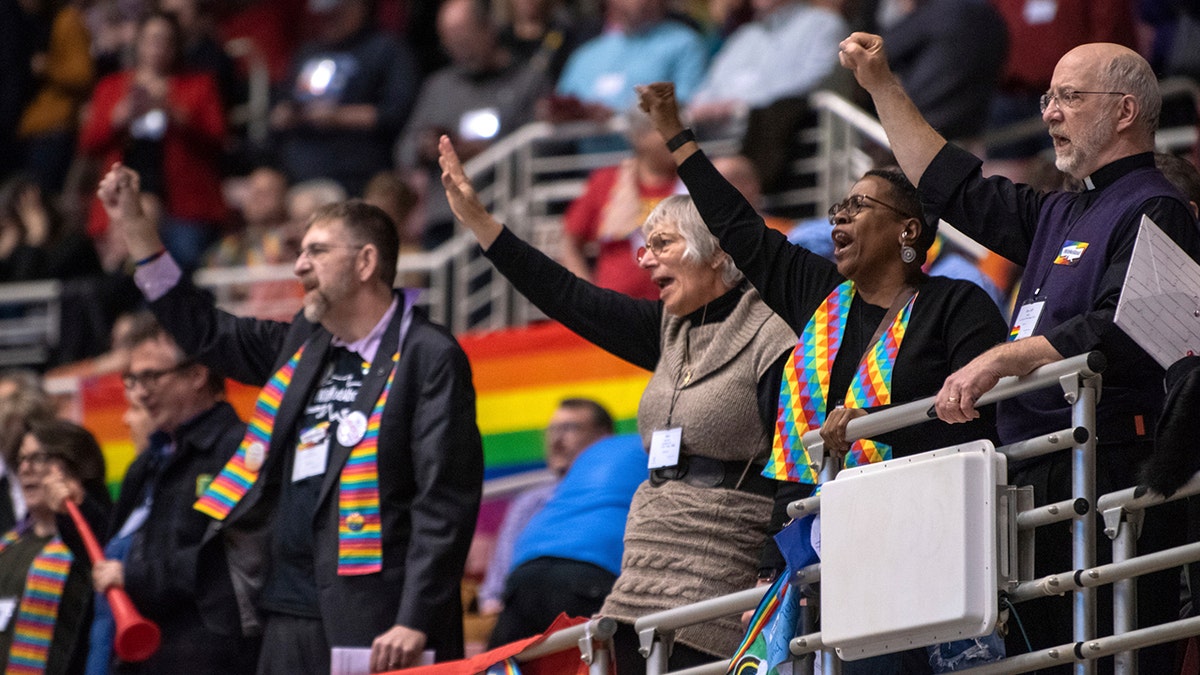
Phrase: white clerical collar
pixel 1088 184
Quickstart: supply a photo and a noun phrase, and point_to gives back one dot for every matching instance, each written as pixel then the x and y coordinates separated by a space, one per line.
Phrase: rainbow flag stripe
pixel 236 479
pixel 38 611
pixel 805 386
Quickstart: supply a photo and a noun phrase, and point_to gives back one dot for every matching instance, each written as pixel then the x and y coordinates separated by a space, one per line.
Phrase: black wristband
pixel 676 142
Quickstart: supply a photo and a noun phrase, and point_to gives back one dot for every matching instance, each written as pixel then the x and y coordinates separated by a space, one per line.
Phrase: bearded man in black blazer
pixel 347 512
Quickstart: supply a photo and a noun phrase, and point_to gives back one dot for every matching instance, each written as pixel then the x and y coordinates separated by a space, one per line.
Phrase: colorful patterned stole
pixel 805 386
pixel 38 611
pixel 360 545
pixel 236 478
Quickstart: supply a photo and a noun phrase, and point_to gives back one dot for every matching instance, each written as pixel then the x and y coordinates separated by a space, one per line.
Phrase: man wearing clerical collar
pixel 1102 111
pixel 348 509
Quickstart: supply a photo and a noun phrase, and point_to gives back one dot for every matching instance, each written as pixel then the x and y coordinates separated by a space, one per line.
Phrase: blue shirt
pixel 585 517
pixel 606 68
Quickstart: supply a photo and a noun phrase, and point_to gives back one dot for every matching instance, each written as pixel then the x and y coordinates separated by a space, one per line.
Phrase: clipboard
pixel 1159 306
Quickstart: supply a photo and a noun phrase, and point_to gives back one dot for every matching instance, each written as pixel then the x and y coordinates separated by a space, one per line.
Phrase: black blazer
pixel 430 470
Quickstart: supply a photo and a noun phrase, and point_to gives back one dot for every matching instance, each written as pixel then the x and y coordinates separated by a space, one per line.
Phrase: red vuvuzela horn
pixel 137 637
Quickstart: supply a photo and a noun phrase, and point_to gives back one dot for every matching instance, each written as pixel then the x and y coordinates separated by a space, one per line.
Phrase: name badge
pixel 7 607
pixel 312 453
pixel 1071 252
pixel 664 447
pixel 1026 321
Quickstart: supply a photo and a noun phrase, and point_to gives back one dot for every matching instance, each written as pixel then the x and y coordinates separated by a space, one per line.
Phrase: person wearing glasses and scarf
pixel 45 587
pixel 695 527
pixel 875 327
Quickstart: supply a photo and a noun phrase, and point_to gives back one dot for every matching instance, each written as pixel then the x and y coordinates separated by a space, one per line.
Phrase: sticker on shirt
pixel 1038 12
pixel 1071 252
pixel 202 483
pixel 7 607
pixel 312 452
pixel 1026 321
pixel 609 84
pixel 664 447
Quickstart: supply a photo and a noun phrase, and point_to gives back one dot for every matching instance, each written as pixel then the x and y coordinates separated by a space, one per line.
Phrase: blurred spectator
pixel 44 563
pixel 202 50
pixel 263 209
pixel 195 433
pixel 387 191
pixel 115 360
pixel 949 54
pixel 22 402
pixel 604 224
pixel 544 33
pixel 789 48
pixel 35 243
pixel 62 72
pixel 348 95
pixel 568 556
pixel 481 96
pixel 104 627
pixel 16 53
pixel 1184 176
pixel 576 424
pixel 303 200
pixel 113 25
pixel 169 126
pixel 740 173
pixel 1175 25
pixel 640 45
pixel 1039 33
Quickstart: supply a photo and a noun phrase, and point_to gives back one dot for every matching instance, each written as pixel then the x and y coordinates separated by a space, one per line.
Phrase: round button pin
pixel 256 452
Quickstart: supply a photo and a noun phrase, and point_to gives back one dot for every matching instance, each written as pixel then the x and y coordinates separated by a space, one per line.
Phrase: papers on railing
pixel 1160 300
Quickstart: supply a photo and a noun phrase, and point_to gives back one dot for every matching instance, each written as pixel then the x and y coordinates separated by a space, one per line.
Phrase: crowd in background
pixel 361 89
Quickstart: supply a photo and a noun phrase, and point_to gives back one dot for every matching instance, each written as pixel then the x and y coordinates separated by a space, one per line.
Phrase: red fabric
pixel 616 267
pixel 191 152
pixel 563 663
pixel 1034 49
pixel 273 26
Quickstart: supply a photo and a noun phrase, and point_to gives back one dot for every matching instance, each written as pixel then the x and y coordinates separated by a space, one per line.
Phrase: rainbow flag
pixel 505 667
pixel 772 627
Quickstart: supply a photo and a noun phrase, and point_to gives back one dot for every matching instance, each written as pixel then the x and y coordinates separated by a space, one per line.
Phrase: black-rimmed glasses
pixel 149 378
pixel 853 204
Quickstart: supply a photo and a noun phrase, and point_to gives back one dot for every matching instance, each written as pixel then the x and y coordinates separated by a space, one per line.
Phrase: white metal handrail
pixel 1079 378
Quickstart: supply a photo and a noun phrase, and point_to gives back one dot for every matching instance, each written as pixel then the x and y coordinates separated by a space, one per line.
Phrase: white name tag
pixel 664 447
pixel 7 607
pixel 310 459
pixel 1026 321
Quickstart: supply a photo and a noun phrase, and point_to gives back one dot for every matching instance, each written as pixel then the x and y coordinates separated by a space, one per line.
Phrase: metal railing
pixel 1079 379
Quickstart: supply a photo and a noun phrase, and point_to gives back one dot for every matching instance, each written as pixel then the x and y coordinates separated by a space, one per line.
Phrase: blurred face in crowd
pixel 867 229
pixel 168 387
pixel 33 465
pixel 570 431
pixel 266 192
pixel 137 419
pixel 156 45
pixel 326 268
pixel 684 285
pixel 467 37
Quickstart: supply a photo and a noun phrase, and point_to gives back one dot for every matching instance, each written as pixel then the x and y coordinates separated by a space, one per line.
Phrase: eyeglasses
pixel 1069 98
pixel 36 459
pixel 856 203
pixel 149 378
pixel 314 251
pixel 657 244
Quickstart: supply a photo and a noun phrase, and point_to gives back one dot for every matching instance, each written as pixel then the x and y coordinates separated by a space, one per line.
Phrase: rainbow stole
pixel 805 386
pixel 360 545
pixel 38 610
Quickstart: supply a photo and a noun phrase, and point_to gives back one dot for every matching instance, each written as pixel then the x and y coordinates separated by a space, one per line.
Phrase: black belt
pixel 705 472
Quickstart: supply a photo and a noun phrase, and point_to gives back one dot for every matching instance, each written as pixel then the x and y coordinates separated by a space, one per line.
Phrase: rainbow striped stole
pixel 236 478
pixel 38 611
pixel 805 386
pixel 360 534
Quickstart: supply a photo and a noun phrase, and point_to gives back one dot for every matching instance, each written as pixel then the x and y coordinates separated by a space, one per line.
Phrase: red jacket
pixel 191 151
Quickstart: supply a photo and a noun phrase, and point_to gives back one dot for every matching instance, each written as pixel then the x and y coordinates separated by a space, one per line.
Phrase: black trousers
pixel 293 644
pixel 630 662
pixel 537 591
pixel 1048 621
